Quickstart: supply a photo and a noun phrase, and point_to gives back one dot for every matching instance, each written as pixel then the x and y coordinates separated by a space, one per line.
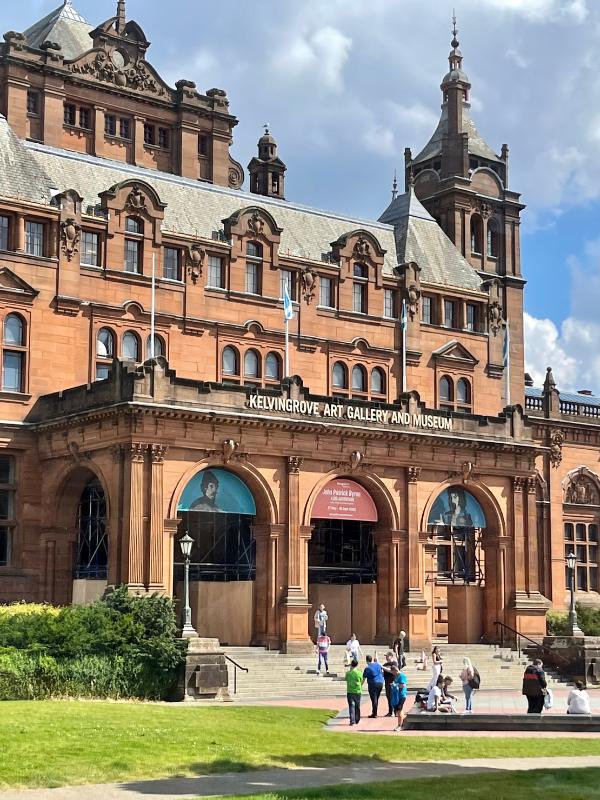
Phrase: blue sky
pixel 347 84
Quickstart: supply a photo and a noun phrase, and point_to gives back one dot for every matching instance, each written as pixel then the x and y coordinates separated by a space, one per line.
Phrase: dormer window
pixel 254 253
pixel 359 289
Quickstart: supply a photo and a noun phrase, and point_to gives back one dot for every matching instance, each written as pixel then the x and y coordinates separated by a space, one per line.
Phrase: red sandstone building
pixel 414 483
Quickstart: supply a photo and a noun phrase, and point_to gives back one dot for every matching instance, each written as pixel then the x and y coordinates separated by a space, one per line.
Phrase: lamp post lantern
pixel 574 629
pixel 186 543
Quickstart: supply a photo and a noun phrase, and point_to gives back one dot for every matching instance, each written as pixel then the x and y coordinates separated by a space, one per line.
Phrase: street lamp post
pixel 574 628
pixel 186 543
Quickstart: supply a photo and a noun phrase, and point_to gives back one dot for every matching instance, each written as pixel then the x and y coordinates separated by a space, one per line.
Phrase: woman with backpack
pixel 471 682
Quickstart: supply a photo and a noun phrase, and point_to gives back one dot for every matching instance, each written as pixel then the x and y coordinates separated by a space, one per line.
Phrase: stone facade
pixel 103 429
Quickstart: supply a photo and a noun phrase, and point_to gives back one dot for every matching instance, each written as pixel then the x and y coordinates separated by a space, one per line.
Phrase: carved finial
pixel 549 383
pixel 267 127
pixel 395 187
pixel 411 178
pixel 121 16
pixel 454 41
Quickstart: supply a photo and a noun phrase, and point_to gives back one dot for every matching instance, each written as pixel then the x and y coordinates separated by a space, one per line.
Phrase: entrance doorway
pixel 91 553
pixel 217 510
pixel 342 560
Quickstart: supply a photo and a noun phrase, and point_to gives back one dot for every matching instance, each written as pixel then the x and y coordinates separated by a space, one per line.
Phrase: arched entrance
pixel 90 570
pixel 342 559
pixel 217 509
pixel 456 526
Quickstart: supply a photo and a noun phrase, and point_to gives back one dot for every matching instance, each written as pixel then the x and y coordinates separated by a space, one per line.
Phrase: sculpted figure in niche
pixel 582 491
pixel 495 317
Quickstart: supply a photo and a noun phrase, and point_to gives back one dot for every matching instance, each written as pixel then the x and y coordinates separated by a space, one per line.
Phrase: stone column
pixel 99 123
pixel 171 527
pixel 266 586
pixel 19 235
pixel 532 560
pixel 519 535
pixel 294 618
pixel 157 531
pixel 134 553
pixel 138 141
pixel 419 633
pixel 390 547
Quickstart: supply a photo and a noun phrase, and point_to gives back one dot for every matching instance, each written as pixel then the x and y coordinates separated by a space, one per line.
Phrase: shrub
pixel 121 646
pixel 556 623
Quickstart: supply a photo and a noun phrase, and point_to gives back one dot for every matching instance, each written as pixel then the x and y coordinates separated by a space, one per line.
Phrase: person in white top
pixel 434 698
pixel 353 648
pixel 578 701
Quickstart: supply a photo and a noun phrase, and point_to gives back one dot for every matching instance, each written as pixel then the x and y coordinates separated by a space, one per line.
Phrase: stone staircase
pixel 273 675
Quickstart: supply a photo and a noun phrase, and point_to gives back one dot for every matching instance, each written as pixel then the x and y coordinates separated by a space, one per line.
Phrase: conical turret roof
pixel 64 25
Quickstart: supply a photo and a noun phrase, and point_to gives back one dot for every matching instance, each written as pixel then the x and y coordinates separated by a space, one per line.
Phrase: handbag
pixel 548 699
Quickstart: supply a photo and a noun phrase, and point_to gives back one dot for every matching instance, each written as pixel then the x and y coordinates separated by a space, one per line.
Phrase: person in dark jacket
pixel 534 687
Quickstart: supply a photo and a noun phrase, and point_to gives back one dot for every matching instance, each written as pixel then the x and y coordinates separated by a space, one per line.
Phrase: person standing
pixel 354 682
pixel 373 675
pixel 388 679
pixel 436 666
pixel 534 687
pixel 323 645
pixel 353 648
pixel 321 618
pixel 398 648
pixel 578 701
pixel 471 682
pixel 399 695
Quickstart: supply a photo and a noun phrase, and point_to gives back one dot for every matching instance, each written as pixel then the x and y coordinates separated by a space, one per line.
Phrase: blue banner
pixel 217 491
pixel 457 508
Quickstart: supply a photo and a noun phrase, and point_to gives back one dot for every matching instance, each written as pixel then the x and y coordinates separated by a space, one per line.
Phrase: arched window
pixel 131 346
pixel 230 363
pixel 14 351
pixel 134 225
pixel 105 352
pixel 493 239
pixel 359 378
pixel 254 250
pixel 463 394
pixel 273 367
pixel 159 347
pixel 377 381
pixel 251 364
pixel 476 234
pixel 340 376
pixel 446 390
pixel 92 540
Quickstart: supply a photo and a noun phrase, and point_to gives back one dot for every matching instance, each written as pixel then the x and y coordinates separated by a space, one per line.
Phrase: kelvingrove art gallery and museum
pixel 402 470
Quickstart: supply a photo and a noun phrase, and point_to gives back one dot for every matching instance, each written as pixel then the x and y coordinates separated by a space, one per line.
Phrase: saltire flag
pixel 403 317
pixel 288 309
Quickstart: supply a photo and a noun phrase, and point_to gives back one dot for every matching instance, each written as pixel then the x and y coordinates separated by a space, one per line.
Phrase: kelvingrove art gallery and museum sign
pixel 350 413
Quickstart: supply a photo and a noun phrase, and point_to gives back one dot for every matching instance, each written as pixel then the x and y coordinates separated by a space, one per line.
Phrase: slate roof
pixel 477 145
pixel 64 25
pixel 419 238
pixel 20 174
pixel 569 397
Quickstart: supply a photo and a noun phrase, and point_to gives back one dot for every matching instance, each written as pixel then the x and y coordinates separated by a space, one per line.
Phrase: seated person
pixel 447 698
pixel 435 696
pixel 578 701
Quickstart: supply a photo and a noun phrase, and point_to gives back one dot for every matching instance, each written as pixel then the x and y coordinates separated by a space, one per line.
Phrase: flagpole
pixel 403 323
pixel 287 348
pixel 153 307
pixel 507 362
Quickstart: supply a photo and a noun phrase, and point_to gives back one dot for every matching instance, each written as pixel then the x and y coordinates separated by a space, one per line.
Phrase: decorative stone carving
pixel 70 233
pixel 532 484
pixel 556 444
pixel 78 455
pixel 158 453
pixel 356 459
pixel 414 296
pixel 236 174
pixel 256 224
pixel 414 474
pixel 295 464
pixel 219 97
pixel 362 249
pixel 485 210
pixel 195 260
pixel 137 451
pixel 136 201
pixel 309 284
pixel 116 452
pixel 15 40
pixel 228 448
pixel 134 75
pixel 518 484
pixel 495 317
pixel 582 491
pixel 467 471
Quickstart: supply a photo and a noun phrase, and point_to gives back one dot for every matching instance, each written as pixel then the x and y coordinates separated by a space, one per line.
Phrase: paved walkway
pixel 282 779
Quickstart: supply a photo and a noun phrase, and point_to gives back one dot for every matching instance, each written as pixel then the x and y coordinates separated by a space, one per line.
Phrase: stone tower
pixel 267 172
pixel 463 184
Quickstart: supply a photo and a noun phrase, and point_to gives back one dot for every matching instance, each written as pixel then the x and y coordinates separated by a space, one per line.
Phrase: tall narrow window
pixel 7 508
pixel 105 352
pixel 33 103
pixel 230 364
pixel 449 314
pixel 326 292
pixel 287 280
pixel 359 378
pixel 34 238
pixel 340 376
pixel 125 128
pixel 13 354
pixel 202 144
pixel 4 228
pixel 216 278
pixel 172 263
pixel 110 125
pixel 359 289
pixel 426 310
pixel 70 114
pixel 582 539
pixel 91 562
pixel 85 118
pixel 390 309
pixel 251 365
pixel 163 138
pixel 159 347
pixel 476 234
pixel 133 244
pixel 377 381
pixel 493 240
pixel 131 346
pixel 273 367
pixel 252 278
pixel 89 249
pixel 463 395
pixel 446 392
pixel 149 133
pixel 472 317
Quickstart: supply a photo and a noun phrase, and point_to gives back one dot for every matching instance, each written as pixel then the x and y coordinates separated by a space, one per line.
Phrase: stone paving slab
pixel 282 779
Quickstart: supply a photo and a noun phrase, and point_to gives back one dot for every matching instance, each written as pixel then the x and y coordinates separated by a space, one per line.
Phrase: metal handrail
pixel 527 638
pixel 236 666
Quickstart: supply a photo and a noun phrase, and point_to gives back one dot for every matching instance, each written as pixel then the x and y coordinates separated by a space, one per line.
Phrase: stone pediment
pixel 116 69
pixel 11 286
pixel 455 353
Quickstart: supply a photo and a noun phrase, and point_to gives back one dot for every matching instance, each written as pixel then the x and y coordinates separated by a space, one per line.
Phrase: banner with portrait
pixel 217 491
pixel 457 508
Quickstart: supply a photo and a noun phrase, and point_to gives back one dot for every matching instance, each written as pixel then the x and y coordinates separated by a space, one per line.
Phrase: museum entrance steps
pixel 273 675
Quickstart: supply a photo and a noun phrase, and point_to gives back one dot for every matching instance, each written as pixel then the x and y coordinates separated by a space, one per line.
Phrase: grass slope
pixel 566 784
pixel 59 743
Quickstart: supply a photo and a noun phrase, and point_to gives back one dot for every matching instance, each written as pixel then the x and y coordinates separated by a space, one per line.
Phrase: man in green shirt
pixel 354 682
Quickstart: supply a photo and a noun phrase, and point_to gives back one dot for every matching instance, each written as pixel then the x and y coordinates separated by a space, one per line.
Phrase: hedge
pixel 557 622
pixel 120 646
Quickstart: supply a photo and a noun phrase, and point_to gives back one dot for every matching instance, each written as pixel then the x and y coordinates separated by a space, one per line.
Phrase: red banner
pixel 344 499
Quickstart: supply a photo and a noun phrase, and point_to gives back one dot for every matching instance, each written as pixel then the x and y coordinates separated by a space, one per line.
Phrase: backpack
pixel 475 681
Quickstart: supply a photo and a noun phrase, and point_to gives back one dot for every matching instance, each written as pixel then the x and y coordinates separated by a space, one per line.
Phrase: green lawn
pixel 567 784
pixel 60 743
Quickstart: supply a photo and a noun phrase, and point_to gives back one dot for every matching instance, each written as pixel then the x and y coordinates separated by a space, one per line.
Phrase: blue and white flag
pixel 403 318
pixel 288 309
pixel 506 347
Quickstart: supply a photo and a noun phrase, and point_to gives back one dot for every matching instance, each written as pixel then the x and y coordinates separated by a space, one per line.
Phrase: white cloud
pixel 318 57
pixel 543 348
pixel 575 10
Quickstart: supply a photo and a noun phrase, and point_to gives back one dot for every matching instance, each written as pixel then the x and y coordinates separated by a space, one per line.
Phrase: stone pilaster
pixel 419 627
pixel 134 555
pixel 157 531
pixel 268 540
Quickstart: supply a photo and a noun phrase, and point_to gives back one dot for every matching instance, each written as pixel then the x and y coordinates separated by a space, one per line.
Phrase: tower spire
pixel 121 16
pixel 395 187
pixel 454 43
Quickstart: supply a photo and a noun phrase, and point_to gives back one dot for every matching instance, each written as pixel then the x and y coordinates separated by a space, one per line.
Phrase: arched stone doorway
pixel 218 510
pixel 342 559
pixel 90 573
pixel 456 555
